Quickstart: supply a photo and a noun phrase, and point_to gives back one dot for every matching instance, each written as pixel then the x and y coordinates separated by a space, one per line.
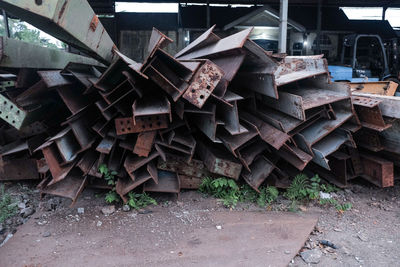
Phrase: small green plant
pixel 339 207
pixel 247 194
pixel 112 197
pixel 7 209
pixel 298 188
pixel 230 193
pixel 139 201
pixel 306 189
pixel 108 175
pixel 267 195
pixel 223 188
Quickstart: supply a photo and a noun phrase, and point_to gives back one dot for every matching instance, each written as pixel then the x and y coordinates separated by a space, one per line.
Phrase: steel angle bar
pixel 54 161
pixel 138 177
pixel 84 73
pixel 73 98
pixel 151 123
pixel 114 74
pixel 276 118
pixel 369 139
pixel 158 40
pixel 319 129
pixel 106 144
pixel 87 161
pixel 71 187
pixel 268 133
pixel 206 38
pixel 250 151
pixel 107 112
pixel 116 159
pixel 262 83
pixel 217 160
pixel 377 170
pixel 189 151
pixel 35 56
pixel 82 132
pixel 387 88
pixel 230 64
pixel 203 83
pixel 144 143
pixel 178 164
pixel 102 127
pixel 221 47
pixel 73 22
pixel 289 104
pixel 33 94
pixel 165 84
pixel 234 142
pixel 369 113
pixel 165 134
pixel 258 58
pixel 294 68
pixel 330 144
pixel 208 123
pixel 146 107
pixel 295 156
pixel 261 168
pixel 391 134
pixel 18 169
pixel 168 182
pixel 229 114
pixel 120 91
pixel 54 78
pixel 132 163
pixel 389 105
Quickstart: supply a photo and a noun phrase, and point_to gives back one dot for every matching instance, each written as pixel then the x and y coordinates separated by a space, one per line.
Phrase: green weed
pixel 230 193
pixel 139 201
pixel 7 209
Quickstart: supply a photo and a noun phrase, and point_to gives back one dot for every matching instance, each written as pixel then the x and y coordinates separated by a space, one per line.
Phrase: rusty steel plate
pixel 168 182
pixel 18 169
pixel 261 168
pixel 203 83
pixel 378 171
pixel 143 124
pixel 144 143
pixel 71 187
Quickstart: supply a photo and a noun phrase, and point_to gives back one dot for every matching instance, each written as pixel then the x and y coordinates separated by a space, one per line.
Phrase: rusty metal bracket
pixel 261 168
pixel 369 113
pixel 144 143
pixel 377 170
pixel 203 83
pixel 217 160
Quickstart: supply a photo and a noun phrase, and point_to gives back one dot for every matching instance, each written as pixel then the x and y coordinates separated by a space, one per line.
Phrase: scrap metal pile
pixel 220 107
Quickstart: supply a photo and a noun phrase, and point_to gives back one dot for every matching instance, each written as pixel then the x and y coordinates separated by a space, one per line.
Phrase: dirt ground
pixel 366 235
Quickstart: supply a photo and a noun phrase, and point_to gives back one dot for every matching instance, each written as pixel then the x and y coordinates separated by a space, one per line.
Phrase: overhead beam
pixel 71 21
pixel 333 3
pixel 18 54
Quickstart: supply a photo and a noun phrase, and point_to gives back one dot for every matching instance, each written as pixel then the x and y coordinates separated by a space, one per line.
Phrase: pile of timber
pixel 219 107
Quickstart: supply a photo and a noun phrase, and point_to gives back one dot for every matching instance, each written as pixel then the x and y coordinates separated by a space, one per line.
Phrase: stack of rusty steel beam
pixel 219 107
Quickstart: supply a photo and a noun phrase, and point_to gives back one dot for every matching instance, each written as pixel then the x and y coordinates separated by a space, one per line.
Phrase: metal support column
pixel 6 26
pixel 319 18
pixel 208 15
pixel 283 17
pixel 384 12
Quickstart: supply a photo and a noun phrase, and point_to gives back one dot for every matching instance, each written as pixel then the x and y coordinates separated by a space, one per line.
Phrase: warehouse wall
pixel 134 43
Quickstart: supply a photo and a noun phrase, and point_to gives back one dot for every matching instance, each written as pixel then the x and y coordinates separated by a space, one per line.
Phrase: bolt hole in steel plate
pixel 38 2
